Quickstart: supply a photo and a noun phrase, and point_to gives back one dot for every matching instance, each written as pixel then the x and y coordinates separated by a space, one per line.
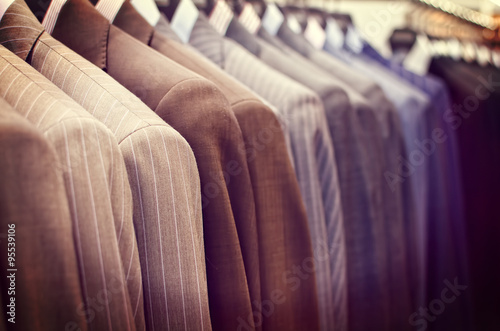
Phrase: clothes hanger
pixel 259 6
pixel 220 15
pixel 170 9
pixel 247 15
pixel 48 13
pixel 319 14
pixel 465 34
pixel 297 14
pixel 182 15
pixel 148 9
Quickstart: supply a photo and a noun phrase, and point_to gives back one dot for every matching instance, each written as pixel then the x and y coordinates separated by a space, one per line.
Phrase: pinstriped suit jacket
pixel 163 27
pixel 370 219
pixel 313 150
pixel 198 110
pixel 97 188
pixel 162 174
pixel 281 218
pixel 33 198
pixel 380 134
pixel 360 194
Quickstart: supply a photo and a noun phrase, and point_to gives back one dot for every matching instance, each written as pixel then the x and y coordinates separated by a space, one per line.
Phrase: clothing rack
pixel 473 16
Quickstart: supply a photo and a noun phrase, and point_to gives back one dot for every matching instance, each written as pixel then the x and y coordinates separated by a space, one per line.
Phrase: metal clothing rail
pixel 467 14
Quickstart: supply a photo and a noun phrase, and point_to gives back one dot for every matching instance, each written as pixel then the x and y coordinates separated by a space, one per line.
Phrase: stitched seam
pixel 245 100
pixel 144 127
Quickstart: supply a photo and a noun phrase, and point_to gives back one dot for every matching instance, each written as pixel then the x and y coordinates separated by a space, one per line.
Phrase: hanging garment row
pixel 184 168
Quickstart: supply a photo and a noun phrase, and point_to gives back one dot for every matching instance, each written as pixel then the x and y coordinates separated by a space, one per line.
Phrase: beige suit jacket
pixel 161 169
pixel 200 112
pixel 33 201
pixel 96 186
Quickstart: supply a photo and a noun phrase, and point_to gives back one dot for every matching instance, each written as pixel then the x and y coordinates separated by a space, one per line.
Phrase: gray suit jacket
pixel 360 151
pixel 353 185
pixel 380 136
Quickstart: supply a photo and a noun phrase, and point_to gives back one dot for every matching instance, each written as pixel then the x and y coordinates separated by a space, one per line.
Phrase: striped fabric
pixel 160 165
pixel 164 28
pixel 355 191
pixel 200 112
pixel 109 9
pixel 49 21
pixel 96 185
pixel 162 174
pixel 220 16
pixel 379 133
pixel 281 218
pixel 33 200
pixel 249 18
pixel 311 143
pixel 437 90
pixel 357 138
pixel 353 182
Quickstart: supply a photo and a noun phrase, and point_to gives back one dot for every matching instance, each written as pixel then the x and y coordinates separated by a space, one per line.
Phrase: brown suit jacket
pixel 284 239
pixel 161 169
pixel 33 200
pixel 96 185
pixel 200 112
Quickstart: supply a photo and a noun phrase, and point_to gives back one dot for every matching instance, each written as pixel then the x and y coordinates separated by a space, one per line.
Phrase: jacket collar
pixel 293 40
pixel 163 27
pixel 81 28
pixel 208 41
pixel 130 21
pixel 20 29
pixel 240 34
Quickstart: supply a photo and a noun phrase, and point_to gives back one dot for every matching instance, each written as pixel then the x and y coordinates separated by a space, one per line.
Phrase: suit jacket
pixel 474 117
pixel 380 136
pixel 199 111
pixel 281 218
pixel 163 27
pixel 162 174
pixel 33 200
pixel 359 150
pixel 96 185
pixel 311 142
pixel 360 83
pixel 451 194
